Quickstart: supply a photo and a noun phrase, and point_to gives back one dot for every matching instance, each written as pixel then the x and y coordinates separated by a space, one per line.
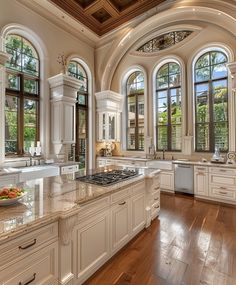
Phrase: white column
pixel 3 58
pixel 63 99
pixel 232 106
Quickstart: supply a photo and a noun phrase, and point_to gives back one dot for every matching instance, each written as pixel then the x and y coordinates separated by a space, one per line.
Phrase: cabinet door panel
pixel 41 268
pixel 138 213
pixel 201 183
pixel 167 180
pixel 120 224
pixel 92 244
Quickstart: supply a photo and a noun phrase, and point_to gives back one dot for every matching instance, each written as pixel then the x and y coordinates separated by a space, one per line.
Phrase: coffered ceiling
pixel 102 16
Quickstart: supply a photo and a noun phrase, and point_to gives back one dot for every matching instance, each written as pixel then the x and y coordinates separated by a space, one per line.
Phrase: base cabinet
pixel 138 218
pixel 120 223
pixel 92 247
pixel 167 181
pixel 201 181
pixel 40 268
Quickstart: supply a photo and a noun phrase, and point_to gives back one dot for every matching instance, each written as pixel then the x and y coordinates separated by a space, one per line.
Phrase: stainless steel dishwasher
pixel 184 178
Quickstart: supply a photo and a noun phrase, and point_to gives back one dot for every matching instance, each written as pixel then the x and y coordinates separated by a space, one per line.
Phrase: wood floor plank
pixel 190 243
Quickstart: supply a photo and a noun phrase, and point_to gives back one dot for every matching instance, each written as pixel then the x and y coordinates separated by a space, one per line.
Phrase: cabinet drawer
pixel 138 188
pixel 201 168
pixel 155 196
pixel 120 195
pixel 222 193
pixel 40 268
pixel 222 180
pixel 69 169
pixel 93 208
pixel 155 208
pixel 222 171
pixel 27 243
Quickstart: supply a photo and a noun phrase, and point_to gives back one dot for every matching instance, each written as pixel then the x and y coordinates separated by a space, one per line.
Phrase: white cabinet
pixel 62 122
pixel 9 179
pixel 138 218
pixel 120 223
pixel 31 258
pixel 108 126
pixel 167 181
pixel 222 184
pixel 40 268
pixel 200 181
pixel 92 245
pixel 109 107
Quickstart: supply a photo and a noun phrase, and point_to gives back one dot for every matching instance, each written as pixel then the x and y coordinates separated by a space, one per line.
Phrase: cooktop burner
pixel 109 177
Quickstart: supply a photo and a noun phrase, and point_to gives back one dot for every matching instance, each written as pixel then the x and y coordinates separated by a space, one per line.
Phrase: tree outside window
pixel 168 107
pixel 211 102
pixel 135 111
pixel 22 96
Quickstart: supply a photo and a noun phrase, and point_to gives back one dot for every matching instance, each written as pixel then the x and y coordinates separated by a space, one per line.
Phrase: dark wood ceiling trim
pixel 89 16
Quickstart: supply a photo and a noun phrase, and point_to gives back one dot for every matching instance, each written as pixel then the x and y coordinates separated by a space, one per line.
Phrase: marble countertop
pixel 9 170
pixel 201 163
pixel 124 158
pixel 55 197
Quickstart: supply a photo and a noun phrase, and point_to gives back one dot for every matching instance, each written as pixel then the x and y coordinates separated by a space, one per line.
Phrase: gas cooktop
pixel 109 177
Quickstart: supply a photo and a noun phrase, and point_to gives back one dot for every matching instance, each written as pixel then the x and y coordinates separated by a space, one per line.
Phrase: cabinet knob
pixel 122 203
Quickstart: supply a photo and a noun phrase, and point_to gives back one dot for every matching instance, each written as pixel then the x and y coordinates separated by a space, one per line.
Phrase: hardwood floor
pixel 192 242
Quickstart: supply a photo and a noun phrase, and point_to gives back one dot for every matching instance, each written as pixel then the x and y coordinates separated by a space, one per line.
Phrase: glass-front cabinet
pixel 108 126
pixel 109 106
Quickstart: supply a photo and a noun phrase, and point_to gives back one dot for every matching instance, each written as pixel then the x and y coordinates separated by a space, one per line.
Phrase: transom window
pixel 211 102
pixel 164 41
pixel 22 95
pixel 76 70
pixel 168 107
pixel 135 111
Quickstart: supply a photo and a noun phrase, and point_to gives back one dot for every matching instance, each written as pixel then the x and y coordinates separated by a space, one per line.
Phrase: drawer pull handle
pixel 223 170
pixel 30 281
pixel 156 207
pixel 156 188
pixel 156 199
pixel 122 203
pixel 29 245
pixel 200 168
pixel 222 188
pixel 223 192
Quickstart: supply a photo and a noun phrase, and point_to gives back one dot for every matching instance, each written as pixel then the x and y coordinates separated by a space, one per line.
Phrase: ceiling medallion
pixel 164 41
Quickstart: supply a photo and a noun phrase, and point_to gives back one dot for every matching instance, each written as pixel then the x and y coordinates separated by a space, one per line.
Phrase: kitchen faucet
pixel 163 154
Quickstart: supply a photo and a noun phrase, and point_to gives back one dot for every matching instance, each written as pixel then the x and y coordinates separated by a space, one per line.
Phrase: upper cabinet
pixel 109 107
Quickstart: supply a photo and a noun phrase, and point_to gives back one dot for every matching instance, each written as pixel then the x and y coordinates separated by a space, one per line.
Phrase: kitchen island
pixel 64 229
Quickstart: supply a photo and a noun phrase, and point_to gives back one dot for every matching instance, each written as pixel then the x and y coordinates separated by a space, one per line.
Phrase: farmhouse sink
pixel 161 164
pixel 39 171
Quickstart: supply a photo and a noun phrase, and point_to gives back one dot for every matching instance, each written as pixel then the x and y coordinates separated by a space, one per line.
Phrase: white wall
pixel 53 41
pixel 211 26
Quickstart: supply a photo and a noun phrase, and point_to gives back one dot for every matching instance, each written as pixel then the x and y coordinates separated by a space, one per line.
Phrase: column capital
pixel 4 57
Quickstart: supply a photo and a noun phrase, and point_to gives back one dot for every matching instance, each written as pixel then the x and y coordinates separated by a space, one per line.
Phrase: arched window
pixel 211 102
pixel 81 147
pixel 22 95
pixel 135 111
pixel 168 107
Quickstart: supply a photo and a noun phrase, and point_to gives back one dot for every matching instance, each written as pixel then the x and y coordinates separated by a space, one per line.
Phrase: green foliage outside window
pixel 22 79
pixel 211 102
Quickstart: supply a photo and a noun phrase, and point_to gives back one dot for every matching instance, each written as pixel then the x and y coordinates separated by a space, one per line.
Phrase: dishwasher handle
pixel 183 166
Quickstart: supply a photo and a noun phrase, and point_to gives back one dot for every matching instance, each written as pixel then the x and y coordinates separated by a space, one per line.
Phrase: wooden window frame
pixel 169 123
pixel 210 104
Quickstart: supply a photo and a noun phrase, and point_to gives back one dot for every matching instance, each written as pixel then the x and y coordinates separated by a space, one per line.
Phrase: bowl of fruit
pixel 10 195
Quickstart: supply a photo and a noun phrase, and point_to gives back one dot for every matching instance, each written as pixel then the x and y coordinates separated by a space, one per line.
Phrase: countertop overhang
pixel 53 198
